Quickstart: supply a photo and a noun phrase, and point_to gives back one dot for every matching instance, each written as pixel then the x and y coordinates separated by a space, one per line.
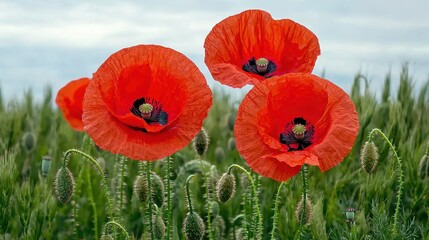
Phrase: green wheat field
pixel 29 208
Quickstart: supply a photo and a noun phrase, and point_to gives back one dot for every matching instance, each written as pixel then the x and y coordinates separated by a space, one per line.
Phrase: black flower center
pixel 262 67
pixel 150 110
pixel 298 134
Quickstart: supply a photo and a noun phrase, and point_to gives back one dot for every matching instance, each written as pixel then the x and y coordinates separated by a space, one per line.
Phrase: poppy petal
pixel 148 73
pixel 269 108
pixel 254 34
pixel 69 100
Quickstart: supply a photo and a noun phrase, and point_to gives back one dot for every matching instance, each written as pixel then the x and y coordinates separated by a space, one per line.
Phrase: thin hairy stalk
pixel 399 172
pixel 168 198
pixel 276 211
pixel 188 195
pixel 99 169
pixel 206 181
pixel 255 194
pixel 304 196
pixel 122 186
pixel 86 146
pixel 117 225
pixel 148 176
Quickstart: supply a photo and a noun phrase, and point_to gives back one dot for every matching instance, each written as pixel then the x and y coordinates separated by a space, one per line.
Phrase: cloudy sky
pixel 53 42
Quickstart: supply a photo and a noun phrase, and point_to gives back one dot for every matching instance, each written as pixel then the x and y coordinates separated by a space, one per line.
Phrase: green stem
pixel 92 202
pixel 121 190
pixel 118 226
pixel 208 199
pixel 304 195
pixel 276 211
pixel 427 149
pixel 168 199
pixel 188 195
pixel 255 194
pixel 149 186
pixel 399 172
pixel 99 169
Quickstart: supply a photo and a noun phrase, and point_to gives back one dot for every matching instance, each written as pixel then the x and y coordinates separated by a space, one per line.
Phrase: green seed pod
pixel 220 154
pixel 140 188
pixel 46 165
pixel 369 157
pixel 231 121
pixel 424 167
pixel 219 224
pixel 214 208
pixel 308 211
pixel 158 227
pixel 64 184
pixel 226 187
pixel 231 143
pixel 28 142
pixel 193 227
pixel 157 189
pixel 201 142
pixel 106 237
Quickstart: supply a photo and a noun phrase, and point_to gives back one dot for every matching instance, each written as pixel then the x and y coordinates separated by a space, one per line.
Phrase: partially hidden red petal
pixel 69 100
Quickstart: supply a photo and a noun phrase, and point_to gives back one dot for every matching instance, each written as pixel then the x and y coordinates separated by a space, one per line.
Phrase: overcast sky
pixel 53 42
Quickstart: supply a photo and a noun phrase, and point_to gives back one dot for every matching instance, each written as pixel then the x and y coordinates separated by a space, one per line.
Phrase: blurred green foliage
pixel 29 209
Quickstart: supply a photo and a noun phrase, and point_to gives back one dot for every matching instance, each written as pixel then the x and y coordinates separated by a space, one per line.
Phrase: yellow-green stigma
pixel 146 110
pixel 299 131
pixel 262 65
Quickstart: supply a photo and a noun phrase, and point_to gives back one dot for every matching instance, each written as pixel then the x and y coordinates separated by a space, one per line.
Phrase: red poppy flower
pixel 295 119
pixel 69 100
pixel 146 102
pixel 249 47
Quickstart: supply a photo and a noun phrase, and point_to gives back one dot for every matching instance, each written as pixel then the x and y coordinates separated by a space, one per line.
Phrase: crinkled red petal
pixel 254 33
pixel 69 100
pixel 145 71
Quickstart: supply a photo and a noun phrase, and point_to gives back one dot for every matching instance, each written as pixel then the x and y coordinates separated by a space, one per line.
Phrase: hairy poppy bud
pixel 369 157
pixel 158 227
pixel 214 208
pixel 29 142
pixel 226 187
pixel 46 165
pixel 194 227
pixel 231 121
pixel 231 143
pixel 424 167
pixel 219 154
pixel 106 237
pixel 201 142
pixel 141 188
pixel 64 184
pixel 307 210
pixel 157 189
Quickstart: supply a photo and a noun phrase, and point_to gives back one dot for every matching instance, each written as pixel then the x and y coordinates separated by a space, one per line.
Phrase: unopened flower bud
pixel 201 142
pixel 369 157
pixel 304 213
pixel 231 143
pixel 140 188
pixel 64 184
pixel 29 142
pixel 193 227
pixel 214 208
pixel 157 189
pixel 158 227
pixel 226 187
pixel 219 154
pixel 106 237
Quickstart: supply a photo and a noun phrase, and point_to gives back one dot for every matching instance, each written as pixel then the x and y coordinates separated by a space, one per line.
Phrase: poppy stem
pixel 399 172
pixel 149 187
pixel 255 194
pixel 276 211
pixel 100 171
pixel 118 226
pixel 168 198
pixel 188 195
pixel 304 195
